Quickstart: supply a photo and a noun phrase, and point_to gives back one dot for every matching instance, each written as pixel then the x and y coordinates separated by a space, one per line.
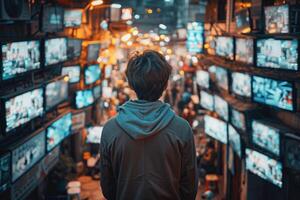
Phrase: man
pixel 148 152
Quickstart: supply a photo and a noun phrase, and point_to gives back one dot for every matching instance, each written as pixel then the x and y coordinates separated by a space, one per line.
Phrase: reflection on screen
pixel 84 98
pixel 4 172
pixel 94 134
pixel 221 107
pixel 277 19
pixel 244 50
pixel 56 92
pixel 224 47
pixel 241 84
pixel 73 72
pixel 93 52
pixel 206 100
pixel 215 128
pixel 55 51
pixel 234 140
pixel 92 74
pixel 72 17
pixel 238 119
pixel 202 78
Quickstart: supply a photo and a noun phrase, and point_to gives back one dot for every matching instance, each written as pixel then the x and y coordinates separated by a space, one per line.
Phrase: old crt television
pixel 277 53
pixel 55 51
pixel 73 48
pixel 93 52
pixel 5 160
pixel 84 98
pixel 21 108
pixel 72 17
pixel 273 92
pixel 52 19
pixel 195 37
pixel 225 47
pixel 234 140
pixel 244 50
pixel 238 119
pixel 202 78
pixel 27 154
pixel 221 107
pixel 243 21
pixel 19 58
pixel 58 130
pixel 97 91
pixel 215 128
pixel 206 100
pixel 94 134
pixel 73 72
pixel 277 19
pixel 56 91
pixel 92 74
pixel 264 167
pixel 241 84
pixel 221 76
pixel 292 151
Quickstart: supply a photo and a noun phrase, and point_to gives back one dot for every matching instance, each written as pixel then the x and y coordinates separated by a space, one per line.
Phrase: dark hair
pixel 148 74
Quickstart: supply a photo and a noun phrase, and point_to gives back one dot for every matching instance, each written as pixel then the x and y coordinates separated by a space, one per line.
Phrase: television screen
pixel 202 78
pixel 92 74
pixel 266 137
pixel 20 57
pixel 277 19
pixel 23 108
pixel 78 121
pixel 108 71
pixel 55 51
pixel 94 134
pixel 4 171
pixel 277 53
pixel 234 140
pixel 244 51
pixel 241 84
pixel 195 37
pixel 93 52
pixel 73 48
pixel 242 21
pixel 215 128
pixel 221 107
pixel 238 119
pixel 73 72
pixel 97 91
pixel 84 98
pixel 206 100
pixel 292 152
pixel 52 18
pixel 72 17
pixel 265 167
pixel 58 130
pixel 273 92
pixel 27 154
pixel 225 47
pixel 107 92
pixel 56 92
pixel 221 76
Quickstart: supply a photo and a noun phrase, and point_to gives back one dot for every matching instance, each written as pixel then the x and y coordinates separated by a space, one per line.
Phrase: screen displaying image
pixel 55 51
pixel 202 78
pixel 242 21
pixel 221 76
pixel 266 137
pixel 234 140
pixel 277 54
pixel 52 18
pixel 73 48
pixel 277 19
pixel 73 72
pixel 58 131
pixel 97 91
pixel 24 107
pixel 78 121
pixel 84 98
pixel 195 37
pixel 27 154
pixel 207 100
pixel 241 84
pixel 92 74
pixel 107 92
pixel 221 107
pixel 224 47
pixel 93 52
pixel 264 167
pixel 292 153
pixel 215 128
pixel 273 92
pixel 94 134
pixel 72 17
pixel 56 92
pixel 238 119
pixel 19 57
pixel 4 172
pixel 244 51
pixel 108 71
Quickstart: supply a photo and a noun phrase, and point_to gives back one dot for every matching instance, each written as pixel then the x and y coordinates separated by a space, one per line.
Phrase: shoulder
pixel 110 131
pixel 180 128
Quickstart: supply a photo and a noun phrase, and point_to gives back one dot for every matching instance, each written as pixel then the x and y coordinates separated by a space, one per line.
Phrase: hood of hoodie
pixel 141 119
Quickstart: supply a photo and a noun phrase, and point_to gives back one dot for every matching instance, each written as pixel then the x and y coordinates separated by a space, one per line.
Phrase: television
pixel 84 98
pixel 272 92
pixel 107 92
pixel 215 128
pixel 19 58
pixel 93 52
pixel 56 92
pixel 22 108
pixel 238 119
pixel 126 14
pixel 234 140
pixel 195 37
pixel 241 84
pixel 94 134
pixel 55 51
pixel 58 130
pixel 92 74
pixel 221 107
pixel 28 154
pixel 210 43
pixel 264 167
pixel 206 100
pixel 73 72
pixel 5 160
pixel 225 47
pixel 221 76
pixel 78 121
pixel 97 91
pixel 52 19
pixel 244 50
pixel 73 48
pixel 108 71
pixel 202 78
pixel 72 17
pixel 277 19
pixel 292 152
pixel 242 21
pixel 277 53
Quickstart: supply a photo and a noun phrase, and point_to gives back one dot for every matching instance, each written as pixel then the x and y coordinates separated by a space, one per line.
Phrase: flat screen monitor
pixel 22 108
pixel 221 107
pixel 221 76
pixel 19 58
pixel 94 134
pixel 277 19
pixel 202 78
pixel 234 140
pixel 73 48
pixel 242 21
pixel 55 51
pixel 78 121
pixel 264 167
pixel 244 51
pixel 5 161
pixel 84 98
pixel 273 92
pixel 52 19
pixel 93 52
pixel 215 128
pixel 92 74
pixel 58 130
pixel 56 92
pixel 225 47
pixel 206 100
pixel 277 53
pixel 266 137
pixel 72 17
pixel 97 91
pixel 73 72
pixel 292 152
pixel 195 37
pixel 238 119
pixel 28 154
pixel 241 84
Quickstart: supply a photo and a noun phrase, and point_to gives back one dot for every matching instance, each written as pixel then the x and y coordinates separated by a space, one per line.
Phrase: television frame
pixel 78 114
pixel 240 154
pixel 75 57
pixel 217 82
pixel 213 100
pixel 84 106
pixel 76 65
pixel 245 117
pixel 44 51
pixel 73 9
pixel 289 18
pixel 84 74
pixel 240 29
pixel 254 51
pixel 221 121
pixel 227 105
pixel 232 81
pixel 42 22
pixel 233 46
pixel 196 78
pixel 87 52
pixel 188 40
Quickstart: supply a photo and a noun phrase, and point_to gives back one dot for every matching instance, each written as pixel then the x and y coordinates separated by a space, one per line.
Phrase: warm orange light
pixel 96 2
pixel 66 78
pixel 149 11
pixel 126 37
